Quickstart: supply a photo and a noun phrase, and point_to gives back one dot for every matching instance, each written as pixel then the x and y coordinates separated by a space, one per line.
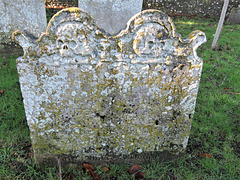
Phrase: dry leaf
pixel 134 169
pixel 1 92
pixel 205 155
pixel 140 175
pixel 87 166
pixel 105 169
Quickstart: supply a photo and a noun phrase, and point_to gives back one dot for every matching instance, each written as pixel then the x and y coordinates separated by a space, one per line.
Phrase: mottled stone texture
pixel 111 15
pixel 210 8
pixel 27 15
pixel 234 16
pixel 98 98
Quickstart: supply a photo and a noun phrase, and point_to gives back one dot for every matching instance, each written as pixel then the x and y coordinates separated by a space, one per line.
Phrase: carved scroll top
pixel 83 17
pixel 73 32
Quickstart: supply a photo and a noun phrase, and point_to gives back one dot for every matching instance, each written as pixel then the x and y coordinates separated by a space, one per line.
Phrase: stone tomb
pixel 107 99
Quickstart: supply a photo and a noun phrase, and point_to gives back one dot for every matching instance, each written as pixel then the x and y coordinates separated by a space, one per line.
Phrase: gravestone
pixel 234 16
pixel 106 99
pixel 111 15
pixel 27 15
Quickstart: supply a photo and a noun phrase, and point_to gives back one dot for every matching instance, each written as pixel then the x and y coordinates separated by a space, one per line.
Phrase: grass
pixel 213 151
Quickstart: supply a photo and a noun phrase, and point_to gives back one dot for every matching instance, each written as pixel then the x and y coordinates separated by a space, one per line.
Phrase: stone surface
pixel 27 15
pixel 211 8
pixel 234 16
pixel 61 3
pixel 107 99
pixel 111 15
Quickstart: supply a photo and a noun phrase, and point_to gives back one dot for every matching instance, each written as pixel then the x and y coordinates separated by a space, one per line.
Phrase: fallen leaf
pixel 105 169
pixel 134 169
pixel 97 177
pixel 91 172
pixel 87 166
pixel 205 155
pixel 226 48
pixel 1 92
pixel 140 175
pixel 89 169
pixel 210 25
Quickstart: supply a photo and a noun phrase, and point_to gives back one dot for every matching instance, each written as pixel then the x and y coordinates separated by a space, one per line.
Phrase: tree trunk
pixel 220 24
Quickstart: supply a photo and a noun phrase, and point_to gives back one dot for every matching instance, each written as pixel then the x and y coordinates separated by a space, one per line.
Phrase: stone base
pixel 135 158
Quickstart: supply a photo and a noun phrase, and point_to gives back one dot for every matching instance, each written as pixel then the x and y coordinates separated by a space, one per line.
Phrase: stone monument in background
pixel 104 99
pixel 27 15
pixel 234 16
pixel 111 15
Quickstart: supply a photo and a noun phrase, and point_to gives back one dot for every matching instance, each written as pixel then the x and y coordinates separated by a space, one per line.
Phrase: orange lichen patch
pixel 159 35
pixel 140 21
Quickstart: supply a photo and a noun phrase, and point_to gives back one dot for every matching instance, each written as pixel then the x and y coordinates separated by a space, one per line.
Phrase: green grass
pixel 215 127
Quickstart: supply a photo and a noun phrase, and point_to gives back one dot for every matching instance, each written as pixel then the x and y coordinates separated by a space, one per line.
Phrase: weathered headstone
pixel 111 15
pixel 234 16
pixel 107 99
pixel 27 15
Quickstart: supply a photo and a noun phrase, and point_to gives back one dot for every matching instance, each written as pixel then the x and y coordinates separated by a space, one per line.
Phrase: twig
pixel 233 93
pixel 213 67
pixel 212 82
pixel 223 80
pixel 59 167
pixel 161 176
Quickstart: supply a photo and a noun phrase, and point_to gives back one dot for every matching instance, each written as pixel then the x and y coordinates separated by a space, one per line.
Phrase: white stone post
pixel 111 15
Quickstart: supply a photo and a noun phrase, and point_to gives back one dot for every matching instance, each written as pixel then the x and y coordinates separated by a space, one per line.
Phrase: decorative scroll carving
pixel 149 40
pixel 89 95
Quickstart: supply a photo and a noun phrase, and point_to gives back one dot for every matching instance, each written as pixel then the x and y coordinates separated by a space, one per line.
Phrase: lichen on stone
pixel 88 95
